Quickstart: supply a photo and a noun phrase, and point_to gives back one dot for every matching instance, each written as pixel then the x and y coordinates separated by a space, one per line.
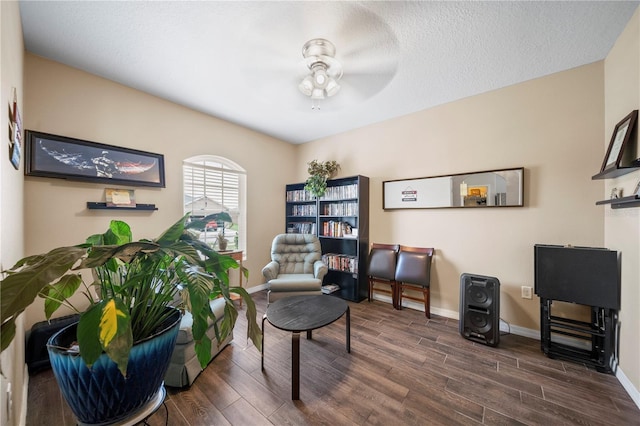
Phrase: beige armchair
pixel 296 266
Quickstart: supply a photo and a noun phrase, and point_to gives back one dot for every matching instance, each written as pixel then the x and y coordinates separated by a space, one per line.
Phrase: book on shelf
pixel 330 288
pixel 341 262
pixel 341 192
pixel 299 195
pixel 301 228
pixel 333 228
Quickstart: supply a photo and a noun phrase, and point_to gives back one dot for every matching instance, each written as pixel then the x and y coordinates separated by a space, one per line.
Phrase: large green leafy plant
pixel 133 284
pixel 319 172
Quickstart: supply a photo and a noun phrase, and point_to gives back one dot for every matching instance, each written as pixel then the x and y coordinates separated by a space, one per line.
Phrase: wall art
pixel 62 157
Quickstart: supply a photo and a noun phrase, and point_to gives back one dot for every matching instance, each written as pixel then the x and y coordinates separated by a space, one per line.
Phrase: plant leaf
pixel 119 233
pixel 106 326
pixel 100 255
pixel 203 351
pixel 174 232
pixel 7 333
pixel 115 333
pixel 253 329
pixel 19 290
pixel 56 293
pixel 112 321
pixel 88 334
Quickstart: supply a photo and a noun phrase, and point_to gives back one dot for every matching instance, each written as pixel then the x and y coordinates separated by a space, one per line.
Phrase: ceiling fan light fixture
pixel 320 77
pixel 324 69
pixel 332 87
pixel 306 85
pixel 317 94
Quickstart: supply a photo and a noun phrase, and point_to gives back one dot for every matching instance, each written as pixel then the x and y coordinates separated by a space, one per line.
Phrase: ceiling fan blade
pixel 366 48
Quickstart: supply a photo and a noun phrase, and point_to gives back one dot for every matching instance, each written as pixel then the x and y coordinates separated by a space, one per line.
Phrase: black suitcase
pixel 36 355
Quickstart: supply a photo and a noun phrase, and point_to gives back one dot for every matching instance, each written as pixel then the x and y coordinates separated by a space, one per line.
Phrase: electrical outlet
pixel 9 400
pixel 527 292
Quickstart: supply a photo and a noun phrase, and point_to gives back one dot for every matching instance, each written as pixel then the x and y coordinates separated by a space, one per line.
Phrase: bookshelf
pixel 340 219
pixel 301 211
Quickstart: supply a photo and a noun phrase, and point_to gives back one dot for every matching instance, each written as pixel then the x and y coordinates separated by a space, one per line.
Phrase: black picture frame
pixel 61 157
pixel 621 135
pixel 452 191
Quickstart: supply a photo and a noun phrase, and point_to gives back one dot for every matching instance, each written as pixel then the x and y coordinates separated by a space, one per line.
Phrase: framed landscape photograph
pixel 54 156
pixel 621 135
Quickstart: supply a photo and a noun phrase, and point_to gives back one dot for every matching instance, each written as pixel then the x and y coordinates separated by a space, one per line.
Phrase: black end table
pixel 304 313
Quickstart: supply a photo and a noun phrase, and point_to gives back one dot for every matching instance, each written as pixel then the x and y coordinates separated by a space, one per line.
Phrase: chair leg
pixel 394 295
pixel 427 303
pixel 370 289
pixel 398 295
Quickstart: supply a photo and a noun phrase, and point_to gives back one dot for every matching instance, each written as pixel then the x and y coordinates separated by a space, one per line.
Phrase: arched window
pixel 215 184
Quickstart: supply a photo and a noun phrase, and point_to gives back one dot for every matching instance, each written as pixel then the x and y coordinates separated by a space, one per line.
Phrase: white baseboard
pixel 25 396
pixel 257 288
pixel 525 332
pixel 628 386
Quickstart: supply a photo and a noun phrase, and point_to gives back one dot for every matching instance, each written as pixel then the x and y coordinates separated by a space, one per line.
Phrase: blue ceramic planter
pixel 102 395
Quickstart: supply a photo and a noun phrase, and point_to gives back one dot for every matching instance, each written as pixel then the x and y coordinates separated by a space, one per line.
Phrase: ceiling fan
pixel 349 54
pixel 324 70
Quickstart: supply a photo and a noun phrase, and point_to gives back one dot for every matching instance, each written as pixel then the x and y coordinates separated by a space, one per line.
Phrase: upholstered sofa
pixel 184 366
pixel 296 266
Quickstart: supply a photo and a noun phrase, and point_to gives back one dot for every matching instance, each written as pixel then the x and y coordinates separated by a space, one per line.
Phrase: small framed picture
pixel 117 197
pixel 621 135
pixel 15 133
pixel 616 193
pixel 636 191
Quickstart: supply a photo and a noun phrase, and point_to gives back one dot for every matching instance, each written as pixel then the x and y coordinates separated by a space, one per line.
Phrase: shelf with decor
pixel 340 219
pixel 620 159
pixel 104 206
pixel 622 202
pixel 616 172
pixel 620 156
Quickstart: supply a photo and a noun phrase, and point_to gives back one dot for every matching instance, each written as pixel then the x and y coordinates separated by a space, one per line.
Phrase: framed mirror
pixel 491 188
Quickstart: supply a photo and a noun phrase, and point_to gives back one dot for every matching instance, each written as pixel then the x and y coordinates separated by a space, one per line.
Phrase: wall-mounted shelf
pixel 103 206
pixel 613 173
pixel 622 203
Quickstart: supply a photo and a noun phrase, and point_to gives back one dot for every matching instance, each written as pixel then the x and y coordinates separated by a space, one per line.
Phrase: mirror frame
pixel 415 185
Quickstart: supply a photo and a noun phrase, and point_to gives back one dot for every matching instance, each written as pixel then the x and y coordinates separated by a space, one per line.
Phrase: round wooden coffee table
pixel 304 313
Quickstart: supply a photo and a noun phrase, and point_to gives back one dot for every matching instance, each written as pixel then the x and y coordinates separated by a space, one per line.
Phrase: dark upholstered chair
pixel 413 272
pixel 296 266
pixel 382 269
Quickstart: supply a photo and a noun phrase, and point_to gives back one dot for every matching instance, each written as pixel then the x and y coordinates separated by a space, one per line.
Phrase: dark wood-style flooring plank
pixel 403 369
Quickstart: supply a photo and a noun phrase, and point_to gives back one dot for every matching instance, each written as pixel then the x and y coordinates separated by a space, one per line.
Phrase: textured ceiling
pixel 241 61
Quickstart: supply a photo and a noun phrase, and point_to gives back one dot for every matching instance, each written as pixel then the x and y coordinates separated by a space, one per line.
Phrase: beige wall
pixel 552 126
pixel 622 226
pixel 11 206
pixel 69 102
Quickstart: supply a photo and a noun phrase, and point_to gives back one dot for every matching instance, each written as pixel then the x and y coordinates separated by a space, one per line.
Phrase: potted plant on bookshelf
pixel 319 172
pixel 126 336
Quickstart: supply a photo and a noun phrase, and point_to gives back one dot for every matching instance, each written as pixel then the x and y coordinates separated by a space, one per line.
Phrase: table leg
pixel 295 366
pixel 309 336
pixel 348 330
pixel 264 317
pixel 240 278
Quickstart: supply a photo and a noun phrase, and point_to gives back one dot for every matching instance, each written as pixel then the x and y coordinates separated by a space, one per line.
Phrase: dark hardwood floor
pixel 403 370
